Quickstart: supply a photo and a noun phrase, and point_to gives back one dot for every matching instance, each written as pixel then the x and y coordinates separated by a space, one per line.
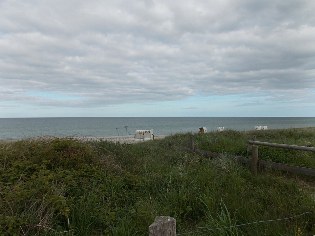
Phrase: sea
pixel 21 128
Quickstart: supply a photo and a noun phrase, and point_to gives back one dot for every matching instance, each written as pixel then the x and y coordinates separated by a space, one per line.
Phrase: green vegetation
pixel 67 187
pixel 235 143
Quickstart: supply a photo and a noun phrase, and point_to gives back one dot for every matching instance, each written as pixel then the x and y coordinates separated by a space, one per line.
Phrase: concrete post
pixel 163 226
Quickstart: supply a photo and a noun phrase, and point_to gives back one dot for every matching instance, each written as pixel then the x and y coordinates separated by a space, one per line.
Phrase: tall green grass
pixel 235 143
pixel 66 187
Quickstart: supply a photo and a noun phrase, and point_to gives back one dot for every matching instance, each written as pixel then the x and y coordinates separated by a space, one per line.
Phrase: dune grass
pixel 235 143
pixel 67 187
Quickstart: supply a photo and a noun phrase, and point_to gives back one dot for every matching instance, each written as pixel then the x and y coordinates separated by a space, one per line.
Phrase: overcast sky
pixel 157 58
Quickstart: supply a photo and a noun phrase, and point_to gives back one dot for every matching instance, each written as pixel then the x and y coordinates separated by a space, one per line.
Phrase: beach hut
pixel 261 127
pixel 144 134
pixel 202 130
pixel 220 129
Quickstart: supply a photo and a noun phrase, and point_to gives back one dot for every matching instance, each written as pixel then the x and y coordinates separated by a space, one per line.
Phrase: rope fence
pixel 248 223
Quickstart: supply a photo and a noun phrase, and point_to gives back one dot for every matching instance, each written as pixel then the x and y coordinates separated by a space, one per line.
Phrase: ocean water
pixel 18 128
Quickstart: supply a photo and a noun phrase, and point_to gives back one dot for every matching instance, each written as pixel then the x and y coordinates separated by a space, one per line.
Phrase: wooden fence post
pixel 192 143
pixel 254 160
pixel 163 226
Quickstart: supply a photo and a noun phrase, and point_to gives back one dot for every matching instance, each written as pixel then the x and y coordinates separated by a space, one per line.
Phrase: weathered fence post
pixel 163 226
pixel 254 160
pixel 191 143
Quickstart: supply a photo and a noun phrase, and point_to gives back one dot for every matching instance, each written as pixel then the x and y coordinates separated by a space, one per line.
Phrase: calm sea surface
pixel 17 128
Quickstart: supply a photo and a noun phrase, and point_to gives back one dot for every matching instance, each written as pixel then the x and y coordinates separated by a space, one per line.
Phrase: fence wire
pixel 246 224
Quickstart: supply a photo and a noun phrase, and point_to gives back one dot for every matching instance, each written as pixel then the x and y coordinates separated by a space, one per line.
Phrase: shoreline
pixel 129 139
pixel 115 139
pixel 118 139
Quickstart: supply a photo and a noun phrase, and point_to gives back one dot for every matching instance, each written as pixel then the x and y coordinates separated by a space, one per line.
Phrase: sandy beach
pixel 118 139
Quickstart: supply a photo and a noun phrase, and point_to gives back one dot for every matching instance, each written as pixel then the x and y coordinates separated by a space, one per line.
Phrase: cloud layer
pixel 95 53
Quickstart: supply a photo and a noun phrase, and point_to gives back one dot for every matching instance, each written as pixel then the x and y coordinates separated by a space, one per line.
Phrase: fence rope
pixel 249 223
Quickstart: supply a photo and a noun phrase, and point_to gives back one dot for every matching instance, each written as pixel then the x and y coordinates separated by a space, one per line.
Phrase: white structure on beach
pixel 261 127
pixel 203 130
pixel 220 129
pixel 144 134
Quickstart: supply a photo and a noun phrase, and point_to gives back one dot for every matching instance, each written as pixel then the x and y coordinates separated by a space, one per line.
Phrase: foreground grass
pixel 64 187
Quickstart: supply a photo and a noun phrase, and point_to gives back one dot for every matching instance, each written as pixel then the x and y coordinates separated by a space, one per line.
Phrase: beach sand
pixel 117 139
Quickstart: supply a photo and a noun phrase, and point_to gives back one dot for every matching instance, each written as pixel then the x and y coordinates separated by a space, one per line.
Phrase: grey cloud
pixel 111 52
